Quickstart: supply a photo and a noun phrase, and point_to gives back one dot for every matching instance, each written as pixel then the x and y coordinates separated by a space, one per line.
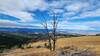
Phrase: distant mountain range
pixel 26 30
pixel 22 30
pixel 64 31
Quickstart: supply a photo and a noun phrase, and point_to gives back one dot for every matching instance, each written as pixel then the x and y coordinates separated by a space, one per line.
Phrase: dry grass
pixel 83 42
pixel 92 42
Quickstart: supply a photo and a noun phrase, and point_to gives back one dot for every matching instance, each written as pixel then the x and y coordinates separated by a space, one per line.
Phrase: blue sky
pixel 76 15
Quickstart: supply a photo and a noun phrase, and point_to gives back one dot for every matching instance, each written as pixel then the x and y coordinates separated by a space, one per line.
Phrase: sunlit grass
pixel 83 42
pixel 92 42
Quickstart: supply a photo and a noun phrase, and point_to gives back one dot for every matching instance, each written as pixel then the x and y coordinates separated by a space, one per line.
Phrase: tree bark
pixel 54 45
pixel 50 44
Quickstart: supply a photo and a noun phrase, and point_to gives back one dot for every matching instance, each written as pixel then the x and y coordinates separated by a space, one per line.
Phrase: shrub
pixel 38 46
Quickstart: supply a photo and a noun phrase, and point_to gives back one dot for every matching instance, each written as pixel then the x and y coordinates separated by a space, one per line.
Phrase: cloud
pixel 14 24
pixel 35 4
pixel 7 22
pixel 69 9
pixel 95 13
pixel 58 11
pixel 12 5
pixel 18 8
pixel 57 4
pixel 23 16
pixel 85 25
pixel 82 9
pixel 40 4
pixel 92 24
pixel 91 13
pixel 74 26
pixel 76 6
pixel 23 4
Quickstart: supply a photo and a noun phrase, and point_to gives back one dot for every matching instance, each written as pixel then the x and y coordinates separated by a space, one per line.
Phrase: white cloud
pixel 80 9
pixel 92 23
pixel 73 7
pixel 23 16
pixel 14 24
pixel 36 4
pixel 58 11
pixel 43 5
pixel 18 8
pixel 6 22
pixel 12 5
pixel 91 13
pixel 23 4
pixel 77 6
pixel 77 25
pixel 95 13
pixel 69 14
pixel 57 4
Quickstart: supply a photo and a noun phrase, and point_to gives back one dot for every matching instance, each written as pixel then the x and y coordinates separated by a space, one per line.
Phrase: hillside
pixel 83 42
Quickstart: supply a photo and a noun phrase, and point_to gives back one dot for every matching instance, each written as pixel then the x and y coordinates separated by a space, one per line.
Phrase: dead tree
pixel 51 36
pixel 45 26
pixel 54 29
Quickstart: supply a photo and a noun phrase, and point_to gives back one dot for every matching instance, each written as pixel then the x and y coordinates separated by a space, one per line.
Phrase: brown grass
pixel 83 42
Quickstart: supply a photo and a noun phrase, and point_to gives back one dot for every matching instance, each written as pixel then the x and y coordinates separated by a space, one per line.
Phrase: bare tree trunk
pixel 51 39
pixel 50 44
pixel 45 25
pixel 54 31
pixel 54 45
pixel 54 40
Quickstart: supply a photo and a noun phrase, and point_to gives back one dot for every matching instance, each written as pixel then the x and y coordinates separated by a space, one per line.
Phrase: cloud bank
pixel 67 9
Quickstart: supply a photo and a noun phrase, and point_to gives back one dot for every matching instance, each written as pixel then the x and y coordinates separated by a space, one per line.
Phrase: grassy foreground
pixel 83 42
